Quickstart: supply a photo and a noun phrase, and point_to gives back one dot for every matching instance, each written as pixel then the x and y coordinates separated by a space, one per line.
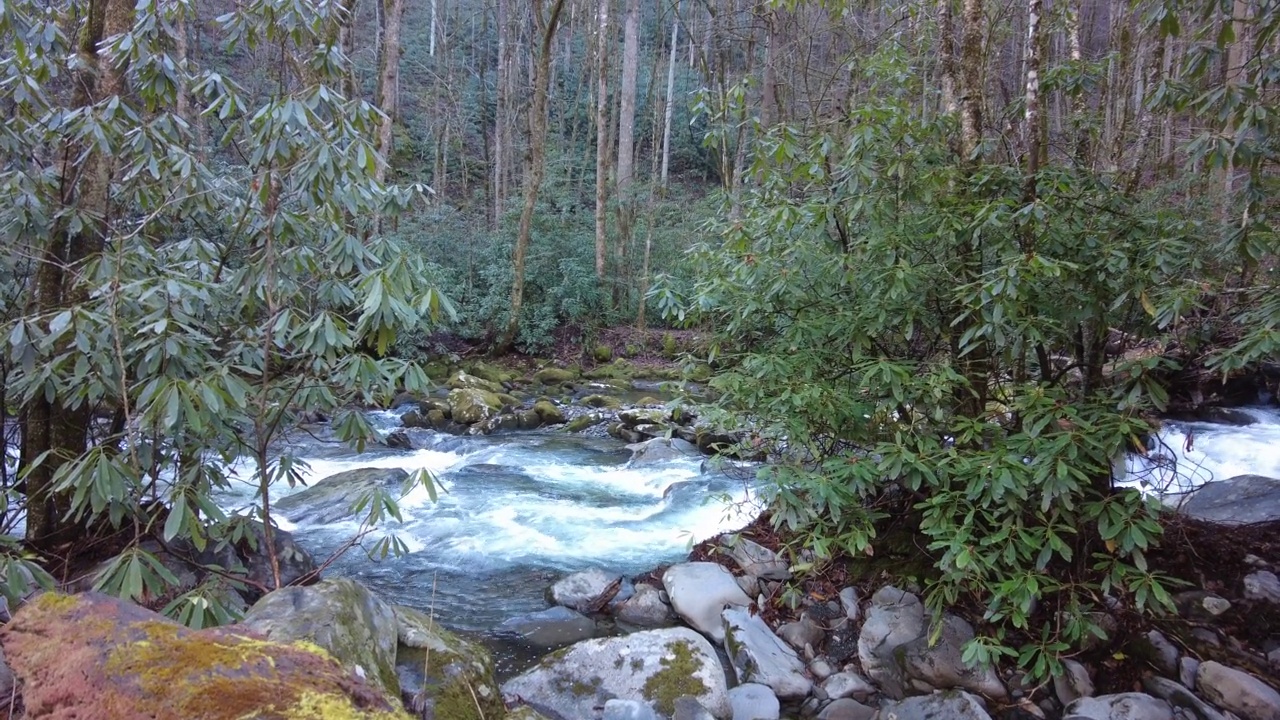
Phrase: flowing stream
pixel 518 511
pixel 1188 454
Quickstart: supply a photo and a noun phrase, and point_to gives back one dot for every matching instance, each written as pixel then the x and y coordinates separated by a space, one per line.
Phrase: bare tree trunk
pixel 670 105
pixel 602 132
pixel 546 28
pixel 501 114
pixel 971 79
pixel 388 81
pixel 947 56
pixel 1080 140
pixel 626 130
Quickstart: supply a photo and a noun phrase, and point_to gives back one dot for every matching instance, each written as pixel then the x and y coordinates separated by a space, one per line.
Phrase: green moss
pixel 602 353
pixel 53 602
pixel 669 348
pixel 601 401
pixel 555 376
pixel 677 678
pixel 616 370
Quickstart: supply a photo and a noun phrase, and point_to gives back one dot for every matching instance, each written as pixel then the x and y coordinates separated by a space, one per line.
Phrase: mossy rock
pixel 339 615
pixel 508 400
pixel 469 406
pixel 462 380
pixel 631 350
pixel 455 675
pixel 616 370
pixel 548 412
pixel 437 370
pixel 602 353
pixel 601 401
pixel 488 372
pixel 555 375
pixel 669 346
pixel 648 401
pixel 582 422
pixel 93 656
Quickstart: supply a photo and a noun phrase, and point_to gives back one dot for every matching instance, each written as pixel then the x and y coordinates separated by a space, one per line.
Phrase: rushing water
pixel 1189 454
pixel 519 510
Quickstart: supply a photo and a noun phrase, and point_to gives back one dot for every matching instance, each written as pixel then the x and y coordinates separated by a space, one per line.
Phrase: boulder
pixel 644 608
pixel 469 406
pixel 660 450
pixel 935 661
pixel 552 627
pixel 633 417
pixel 398 440
pixel 950 704
pixel 756 559
pixel 751 701
pixel 1237 691
pixel 555 376
pixel 331 499
pixel 463 381
pixel 339 615
pixel 601 401
pixel 441 671
pixel 1240 500
pixel 655 666
pixel 548 412
pixel 1121 706
pixel 584 421
pixel 582 591
pixel 699 592
pixel 895 617
pixel 1072 683
pixel 95 657
pixel 293 560
pixel 759 656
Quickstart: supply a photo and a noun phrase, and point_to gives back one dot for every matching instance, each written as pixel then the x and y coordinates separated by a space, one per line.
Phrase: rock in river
pixel 654 666
pixel 331 499
pixel 699 591
pixel 1236 501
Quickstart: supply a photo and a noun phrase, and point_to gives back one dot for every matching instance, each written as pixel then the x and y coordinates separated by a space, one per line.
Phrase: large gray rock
pixel 751 701
pixel 941 666
pixel 1179 696
pixel 655 666
pixel 847 709
pixel 1240 500
pixel 331 499
pixel 1122 706
pixel 438 670
pixel 581 589
pixel 1237 691
pixel 947 705
pixel 644 608
pixel 759 656
pixel 660 450
pixel 756 559
pixel 1262 585
pixel 341 616
pixel 549 628
pixel 894 618
pixel 699 591
pixel 1072 683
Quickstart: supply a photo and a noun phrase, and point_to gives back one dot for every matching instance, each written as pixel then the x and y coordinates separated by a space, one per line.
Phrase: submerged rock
pixel 95 657
pixel 549 628
pixel 339 615
pixel 441 671
pixel 660 450
pixel 331 499
pixel 653 666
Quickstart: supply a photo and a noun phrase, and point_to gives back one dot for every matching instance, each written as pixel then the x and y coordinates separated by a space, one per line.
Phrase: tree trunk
pixel 546 28
pixel 670 103
pixel 626 128
pixel 602 132
pixel 947 56
pixel 501 114
pixel 388 81
pixel 54 434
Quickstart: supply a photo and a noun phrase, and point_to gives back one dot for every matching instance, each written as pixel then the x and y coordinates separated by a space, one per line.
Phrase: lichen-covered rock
pixel 654 666
pixel 1121 706
pixel 469 406
pixel 548 412
pixel 438 669
pixel 331 499
pixel 1237 691
pixel 894 618
pixel 341 616
pixel 699 592
pixel 555 376
pixel 601 401
pixel 463 381
pixel 759 656
pixel 93 657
